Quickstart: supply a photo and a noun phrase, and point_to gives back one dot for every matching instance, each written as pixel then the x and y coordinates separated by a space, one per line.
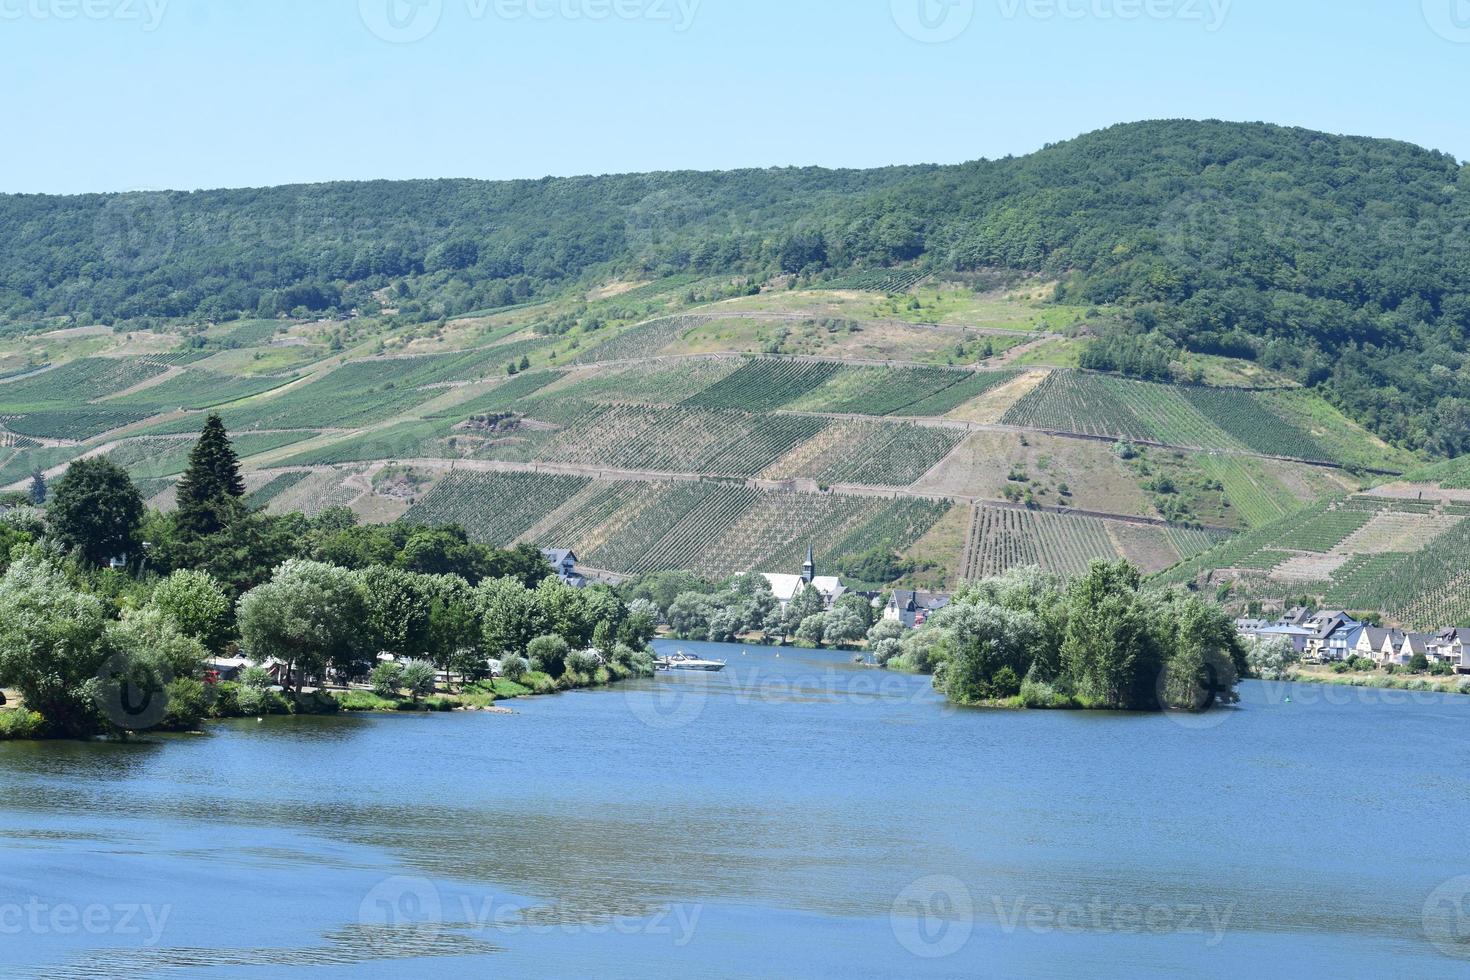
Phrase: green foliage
pixel 198 606
pixel 418 679
pixel 96 510
pixel 1097 641
pixel 548 655
pixel 387 679
pixel 309 616
pixel 212 476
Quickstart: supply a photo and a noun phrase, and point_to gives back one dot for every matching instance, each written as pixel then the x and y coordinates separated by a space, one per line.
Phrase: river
pixel 793 816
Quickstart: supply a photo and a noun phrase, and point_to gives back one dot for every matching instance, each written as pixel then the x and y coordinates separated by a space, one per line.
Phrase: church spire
pixel 809 570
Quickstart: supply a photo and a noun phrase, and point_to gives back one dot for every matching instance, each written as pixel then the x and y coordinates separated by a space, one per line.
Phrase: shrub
pixel 18 725
pixel 419 677
pixel 226 700
pixel 515 668
pixel 253 701
pixel 387 678
pixel 583 662
pixel 188 704
pixel 548 655
pixel 256 677
pixel 1041 695
pixel 643 664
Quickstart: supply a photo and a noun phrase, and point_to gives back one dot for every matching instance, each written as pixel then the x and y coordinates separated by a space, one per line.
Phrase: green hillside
pixel 959 370
pixel 1338 261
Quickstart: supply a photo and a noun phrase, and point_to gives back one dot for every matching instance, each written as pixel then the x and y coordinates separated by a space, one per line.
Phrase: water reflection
pixel 802 786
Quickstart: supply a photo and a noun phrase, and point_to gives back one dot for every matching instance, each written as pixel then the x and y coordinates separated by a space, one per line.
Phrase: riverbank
pixel 1379 680
pixel 224 700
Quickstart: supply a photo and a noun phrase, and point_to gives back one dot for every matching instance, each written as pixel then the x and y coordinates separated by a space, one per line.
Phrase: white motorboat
pixel 683 661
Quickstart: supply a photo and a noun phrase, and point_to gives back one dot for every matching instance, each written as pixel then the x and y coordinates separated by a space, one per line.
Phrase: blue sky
pixel 148 94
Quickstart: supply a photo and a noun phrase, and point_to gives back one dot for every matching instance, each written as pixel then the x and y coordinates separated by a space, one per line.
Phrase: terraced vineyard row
pixel 495 508
pixel 1254 493
pixel 276 486
pixel 1004 538
pixel 880 391
pixel 678 439
pixel 652 384
pixel 74 425
pixel 892 456
pixel 763 385
pixel 1207 418
pixel 1425 590
pixel 1241 415
pixel 1071 402
pixel 1324 532
pixel 60 387
pixel 879 281
pixel 158 457
pixel 714 528
pixel 310 407
pixel 644 340
pixel 196 389
pixel 948 399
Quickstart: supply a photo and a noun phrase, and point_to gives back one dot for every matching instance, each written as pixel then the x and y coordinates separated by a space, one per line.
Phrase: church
pixel 787 587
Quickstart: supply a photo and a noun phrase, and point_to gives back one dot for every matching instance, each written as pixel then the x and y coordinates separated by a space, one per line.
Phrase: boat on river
pixel 683 661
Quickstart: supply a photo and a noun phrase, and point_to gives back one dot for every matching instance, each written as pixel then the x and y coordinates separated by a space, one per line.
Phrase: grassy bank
pixel 229 700
pixel 1382 681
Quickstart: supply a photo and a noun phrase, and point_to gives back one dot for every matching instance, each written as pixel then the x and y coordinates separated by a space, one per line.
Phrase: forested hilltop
pixel 1341 262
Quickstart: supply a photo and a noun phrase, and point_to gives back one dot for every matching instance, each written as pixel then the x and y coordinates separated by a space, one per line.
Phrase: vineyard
pixel 1406 558
pixel 73 425
pixel 891 456
pixel 1002 539
pixel 763 385
pixel 715 528
pixel 195 389
pixel 274 487
pixel 1189 416
pixel 879 281
pixel 657 383
pixel 158 457
pixel 946 400
pixel 878 391
pixel 1244 417
pixel 64 386
pixel 1068 401
pixel 678 439
pixel 1257 497
pixel 495 508
pixel 644 340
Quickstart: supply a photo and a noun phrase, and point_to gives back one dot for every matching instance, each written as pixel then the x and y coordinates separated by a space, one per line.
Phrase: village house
pixel 787 587
pixel 1330 641
pixel 912 608
pixel 565 564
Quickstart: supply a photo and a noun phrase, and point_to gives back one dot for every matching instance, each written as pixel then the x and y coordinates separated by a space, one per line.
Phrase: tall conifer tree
pixel 211 483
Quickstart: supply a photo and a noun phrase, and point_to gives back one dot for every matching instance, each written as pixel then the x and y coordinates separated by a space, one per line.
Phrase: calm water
pixel 793 816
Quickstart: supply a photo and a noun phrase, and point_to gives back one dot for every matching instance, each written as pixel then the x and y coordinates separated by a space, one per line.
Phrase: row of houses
pixel 1334 637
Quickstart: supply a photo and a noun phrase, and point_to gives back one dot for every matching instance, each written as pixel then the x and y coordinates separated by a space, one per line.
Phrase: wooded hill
pixel 1341 262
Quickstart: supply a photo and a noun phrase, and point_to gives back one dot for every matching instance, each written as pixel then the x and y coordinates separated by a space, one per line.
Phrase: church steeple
pixel 809 570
